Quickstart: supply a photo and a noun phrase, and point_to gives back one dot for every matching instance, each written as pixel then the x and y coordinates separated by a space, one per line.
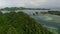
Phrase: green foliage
pixel 44 12
pixel 20 23
pixel 54 12
pixel 21 8
pixel 37 13
pixel 33 14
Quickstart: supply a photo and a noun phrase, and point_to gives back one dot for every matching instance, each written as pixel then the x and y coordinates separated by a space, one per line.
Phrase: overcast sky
pixel 30 3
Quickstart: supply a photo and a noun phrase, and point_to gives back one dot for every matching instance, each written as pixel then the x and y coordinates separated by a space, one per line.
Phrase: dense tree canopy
pixel 20 23
pixel 54 12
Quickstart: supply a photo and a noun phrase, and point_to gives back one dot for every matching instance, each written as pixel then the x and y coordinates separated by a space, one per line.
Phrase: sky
pixel 30 3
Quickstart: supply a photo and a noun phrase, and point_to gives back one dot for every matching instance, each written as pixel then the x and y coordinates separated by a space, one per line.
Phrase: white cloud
pixel 36 2
pixel 9 3
pixel 30 3
pixel 21 2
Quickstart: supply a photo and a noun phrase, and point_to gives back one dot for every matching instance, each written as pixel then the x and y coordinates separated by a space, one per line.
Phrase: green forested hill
pixel 20 23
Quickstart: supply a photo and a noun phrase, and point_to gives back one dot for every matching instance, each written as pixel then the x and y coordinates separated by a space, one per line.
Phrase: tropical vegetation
pixel 20 23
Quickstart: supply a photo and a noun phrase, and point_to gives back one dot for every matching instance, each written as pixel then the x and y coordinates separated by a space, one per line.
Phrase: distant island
pixel 22 8
pixel 52 12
